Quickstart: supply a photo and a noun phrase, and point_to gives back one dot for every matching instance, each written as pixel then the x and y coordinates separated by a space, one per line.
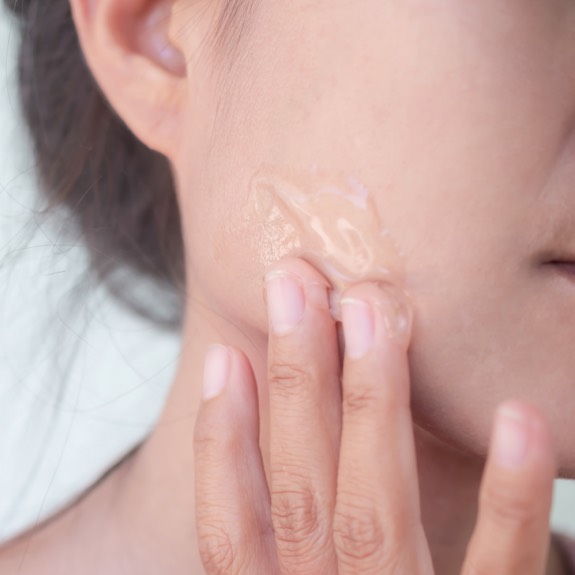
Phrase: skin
pixel 458 119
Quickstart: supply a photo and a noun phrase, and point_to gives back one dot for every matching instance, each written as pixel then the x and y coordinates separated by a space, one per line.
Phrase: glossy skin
pixel 458 117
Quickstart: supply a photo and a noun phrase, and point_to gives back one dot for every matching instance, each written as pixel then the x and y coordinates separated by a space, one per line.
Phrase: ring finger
pixel 377 526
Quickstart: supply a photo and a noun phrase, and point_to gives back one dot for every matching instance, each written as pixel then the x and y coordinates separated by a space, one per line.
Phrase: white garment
pixel 62 426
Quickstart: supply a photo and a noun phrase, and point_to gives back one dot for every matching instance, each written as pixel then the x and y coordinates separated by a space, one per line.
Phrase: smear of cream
pixel 333 225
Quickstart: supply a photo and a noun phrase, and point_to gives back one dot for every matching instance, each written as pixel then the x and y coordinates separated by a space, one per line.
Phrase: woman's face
pixel 457 119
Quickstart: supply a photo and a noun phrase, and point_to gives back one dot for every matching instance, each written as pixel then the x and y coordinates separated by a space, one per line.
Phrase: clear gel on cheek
pixel 333 225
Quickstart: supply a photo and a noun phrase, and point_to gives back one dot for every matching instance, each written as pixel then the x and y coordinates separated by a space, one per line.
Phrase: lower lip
pixel 566 268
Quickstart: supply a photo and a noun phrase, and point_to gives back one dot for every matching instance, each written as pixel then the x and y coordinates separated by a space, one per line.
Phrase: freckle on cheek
pixel 332 224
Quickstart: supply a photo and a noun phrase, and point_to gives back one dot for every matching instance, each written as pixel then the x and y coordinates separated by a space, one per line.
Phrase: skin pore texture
pixel 436 140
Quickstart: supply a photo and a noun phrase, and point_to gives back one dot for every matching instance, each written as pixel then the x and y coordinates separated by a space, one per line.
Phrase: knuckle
pixel 505 504
pixel 215 435
pixel 359 536
pixel 219 552
pixel 290 378
pixel 204 440
pixel 297 521
pixel 208 440
pixel 361 400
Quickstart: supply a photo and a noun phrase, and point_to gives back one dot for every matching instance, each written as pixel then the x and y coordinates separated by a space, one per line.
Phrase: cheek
pixel 332 222
pixel 488 338
pixel 481 333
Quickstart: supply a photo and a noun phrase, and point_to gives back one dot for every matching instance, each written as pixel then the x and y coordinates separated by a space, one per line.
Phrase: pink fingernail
pixel 216 371
pixel 358 326
pixel 286 301
pixel 511 441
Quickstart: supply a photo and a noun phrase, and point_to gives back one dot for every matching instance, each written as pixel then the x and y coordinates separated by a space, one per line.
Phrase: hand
pixel 342 496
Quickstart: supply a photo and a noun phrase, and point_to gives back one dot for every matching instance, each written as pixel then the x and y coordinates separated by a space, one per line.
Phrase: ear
pixel 127 46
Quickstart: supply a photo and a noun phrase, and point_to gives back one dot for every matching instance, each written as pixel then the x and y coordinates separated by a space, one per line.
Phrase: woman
pixel 401 166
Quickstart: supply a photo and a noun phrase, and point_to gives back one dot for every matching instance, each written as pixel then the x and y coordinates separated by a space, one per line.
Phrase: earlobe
pixel 128 48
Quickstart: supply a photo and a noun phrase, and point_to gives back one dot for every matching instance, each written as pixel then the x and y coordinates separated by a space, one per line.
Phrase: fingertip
pixel 217 367
pixel 521 465
pixel 389 301
pixel 242 377
pixel 297 267
pixel 229 405
pixel 512 439
pixel 521 436
pixel 224 366
pixel 228 373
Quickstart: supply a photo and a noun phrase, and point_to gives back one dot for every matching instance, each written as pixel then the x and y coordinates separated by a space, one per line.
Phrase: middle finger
pixel 305 419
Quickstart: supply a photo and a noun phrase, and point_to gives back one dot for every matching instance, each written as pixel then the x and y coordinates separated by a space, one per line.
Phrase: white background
pixel 56 439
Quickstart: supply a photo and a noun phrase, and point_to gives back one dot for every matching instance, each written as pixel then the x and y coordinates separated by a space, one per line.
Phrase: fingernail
pixel 397 315
pixel 511 441
pixel 358 327
pixel 216 371
pixel 286 301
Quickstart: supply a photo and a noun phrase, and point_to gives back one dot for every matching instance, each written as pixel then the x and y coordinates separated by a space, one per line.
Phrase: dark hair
pixel 119 194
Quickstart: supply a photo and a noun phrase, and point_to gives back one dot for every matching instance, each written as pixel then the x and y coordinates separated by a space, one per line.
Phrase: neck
pixel 449 484
pixel 449 480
